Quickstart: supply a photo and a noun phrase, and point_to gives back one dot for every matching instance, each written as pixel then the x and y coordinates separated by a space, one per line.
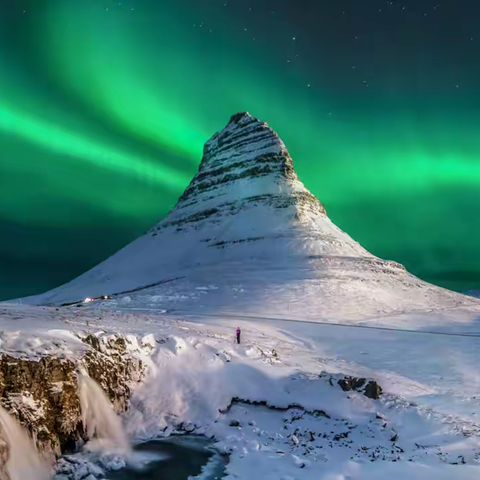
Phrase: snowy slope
pixel 291 419
pixel 246 219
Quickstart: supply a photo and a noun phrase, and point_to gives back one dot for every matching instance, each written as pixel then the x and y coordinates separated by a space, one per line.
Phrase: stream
pixel 175 459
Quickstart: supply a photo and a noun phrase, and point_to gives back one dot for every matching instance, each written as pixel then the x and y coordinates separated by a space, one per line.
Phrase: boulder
pixel 371 389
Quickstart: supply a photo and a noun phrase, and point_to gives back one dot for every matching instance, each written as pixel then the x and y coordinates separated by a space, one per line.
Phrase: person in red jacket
pixel 238 334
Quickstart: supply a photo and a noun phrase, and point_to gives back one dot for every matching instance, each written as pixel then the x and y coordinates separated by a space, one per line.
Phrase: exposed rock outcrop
pixel 43 393
pixel 246 149
pixel 371 389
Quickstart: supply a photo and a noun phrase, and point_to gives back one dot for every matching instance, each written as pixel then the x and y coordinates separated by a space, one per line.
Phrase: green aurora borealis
pixel 105 107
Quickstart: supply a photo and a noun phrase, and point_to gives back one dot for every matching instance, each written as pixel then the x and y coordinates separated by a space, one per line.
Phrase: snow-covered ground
pixel 291 420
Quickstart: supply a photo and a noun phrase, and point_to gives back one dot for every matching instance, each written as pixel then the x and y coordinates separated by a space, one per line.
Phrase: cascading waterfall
pixel 19 459
pixel 102 424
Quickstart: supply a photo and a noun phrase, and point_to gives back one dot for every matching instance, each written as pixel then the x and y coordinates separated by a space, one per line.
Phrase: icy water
pixel 176 459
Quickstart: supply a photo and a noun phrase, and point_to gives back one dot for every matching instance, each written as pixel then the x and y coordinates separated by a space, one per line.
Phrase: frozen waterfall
pixel 19 459
pixel 104 428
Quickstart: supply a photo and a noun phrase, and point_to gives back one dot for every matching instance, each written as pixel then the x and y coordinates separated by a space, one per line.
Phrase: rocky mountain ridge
pixel 247 219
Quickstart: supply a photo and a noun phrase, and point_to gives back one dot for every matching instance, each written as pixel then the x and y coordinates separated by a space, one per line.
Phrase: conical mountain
pixel 247 234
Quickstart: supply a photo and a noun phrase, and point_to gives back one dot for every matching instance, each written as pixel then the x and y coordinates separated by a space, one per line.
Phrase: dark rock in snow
pixel 351 383
pixel 373 390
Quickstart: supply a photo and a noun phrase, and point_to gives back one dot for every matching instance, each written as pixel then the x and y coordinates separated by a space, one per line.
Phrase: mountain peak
pixel 241 116
pixel 246 218
pixel 246 149
pixel 246 167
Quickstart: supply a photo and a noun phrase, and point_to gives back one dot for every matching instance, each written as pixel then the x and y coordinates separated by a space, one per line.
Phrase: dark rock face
pixel 351 383
pixel 237 117
pixel 43 394
pixel 264 403
pixel 371 389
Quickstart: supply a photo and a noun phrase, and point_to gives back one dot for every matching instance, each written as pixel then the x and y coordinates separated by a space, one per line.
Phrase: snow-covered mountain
pixel 395 396
pixel 246 223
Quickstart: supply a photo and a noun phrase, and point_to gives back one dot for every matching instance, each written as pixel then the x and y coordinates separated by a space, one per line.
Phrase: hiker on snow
pixel 238 334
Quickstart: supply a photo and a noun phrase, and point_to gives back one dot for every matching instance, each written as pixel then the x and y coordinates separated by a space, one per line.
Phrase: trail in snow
pixel 230 316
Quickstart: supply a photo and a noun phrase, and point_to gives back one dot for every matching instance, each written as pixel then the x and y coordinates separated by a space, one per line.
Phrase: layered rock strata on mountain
pixel 245 167
pixel 246 149
pixel 247 214
pixel 245 202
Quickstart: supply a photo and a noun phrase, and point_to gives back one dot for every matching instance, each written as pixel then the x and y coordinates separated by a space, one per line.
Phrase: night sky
pixel 105 107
